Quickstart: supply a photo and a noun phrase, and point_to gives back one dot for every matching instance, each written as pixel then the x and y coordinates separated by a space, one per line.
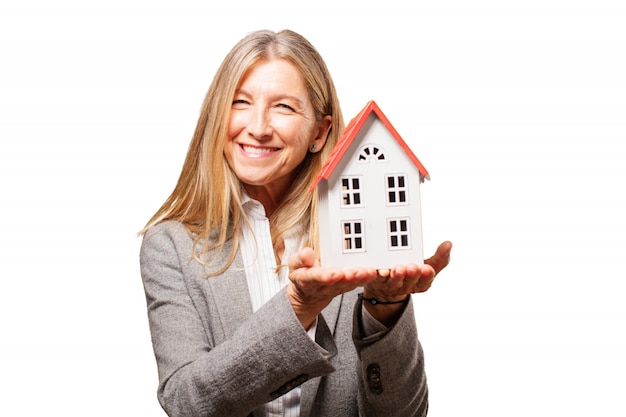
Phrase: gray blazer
pixel 216 358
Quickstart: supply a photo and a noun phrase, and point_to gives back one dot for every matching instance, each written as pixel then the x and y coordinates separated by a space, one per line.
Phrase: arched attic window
pixel 371 152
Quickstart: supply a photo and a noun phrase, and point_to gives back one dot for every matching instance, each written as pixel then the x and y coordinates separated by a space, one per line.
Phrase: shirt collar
pixel 255 210
pixel 252 207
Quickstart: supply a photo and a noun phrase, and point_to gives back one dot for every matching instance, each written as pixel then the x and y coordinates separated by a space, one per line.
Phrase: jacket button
pixel 373 379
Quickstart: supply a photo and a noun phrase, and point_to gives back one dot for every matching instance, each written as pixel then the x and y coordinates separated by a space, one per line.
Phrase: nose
pixel 260 124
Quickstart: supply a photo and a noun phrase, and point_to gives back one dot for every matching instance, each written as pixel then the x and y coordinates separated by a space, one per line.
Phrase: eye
pixel 285 106
pixel 239 101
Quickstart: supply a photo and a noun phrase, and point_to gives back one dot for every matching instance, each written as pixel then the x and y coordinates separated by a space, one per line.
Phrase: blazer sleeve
pixel 391 368
pixel 266 356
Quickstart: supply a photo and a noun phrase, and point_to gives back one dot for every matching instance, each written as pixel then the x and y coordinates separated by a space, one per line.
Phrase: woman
pixel 244 319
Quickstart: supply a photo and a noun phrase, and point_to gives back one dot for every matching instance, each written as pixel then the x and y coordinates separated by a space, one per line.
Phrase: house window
pixel 372 152
pixel 399 233
pixel 396 186
pixel 353 236
pixel 350 191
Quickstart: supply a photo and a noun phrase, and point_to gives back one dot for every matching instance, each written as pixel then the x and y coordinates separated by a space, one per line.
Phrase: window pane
pixel 390 182
pixel 405 240
pixel 393 226
pixel 355 183
pixel 357 228
pixel 402 196
pixel 394 241
pixel 401 181
pixel 403 225
pixel 358 244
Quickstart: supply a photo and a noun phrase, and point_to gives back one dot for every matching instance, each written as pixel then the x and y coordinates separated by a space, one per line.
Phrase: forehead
pixel 273 72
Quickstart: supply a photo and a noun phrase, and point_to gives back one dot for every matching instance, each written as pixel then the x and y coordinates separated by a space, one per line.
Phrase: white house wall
pixel 374 210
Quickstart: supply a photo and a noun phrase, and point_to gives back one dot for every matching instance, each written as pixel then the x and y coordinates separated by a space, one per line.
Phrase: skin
pixel 313 287
pixel 272 126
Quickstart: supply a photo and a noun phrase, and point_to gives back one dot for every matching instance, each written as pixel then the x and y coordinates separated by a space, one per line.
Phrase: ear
pixel 323 128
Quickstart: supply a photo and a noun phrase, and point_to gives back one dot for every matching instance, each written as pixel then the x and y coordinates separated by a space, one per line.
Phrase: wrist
pixel 386 312
pixel 375 301
pixel 305 310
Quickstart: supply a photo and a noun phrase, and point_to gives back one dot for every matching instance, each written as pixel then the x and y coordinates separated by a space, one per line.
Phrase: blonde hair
pixel 207 198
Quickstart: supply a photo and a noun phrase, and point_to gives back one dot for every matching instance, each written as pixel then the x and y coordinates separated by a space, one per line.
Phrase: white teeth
pixel 256 151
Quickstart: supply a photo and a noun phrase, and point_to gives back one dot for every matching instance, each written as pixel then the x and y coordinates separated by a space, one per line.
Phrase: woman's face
pixel 271 128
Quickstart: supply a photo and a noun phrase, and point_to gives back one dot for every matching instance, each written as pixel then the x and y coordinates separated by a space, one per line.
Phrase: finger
pixel 441 258
pixel 393 279
pixel 398 272
pixel 384 273
pixel 360 274
pixel 305 258
pixel 411 274
pixel 408 271
pixel 424 283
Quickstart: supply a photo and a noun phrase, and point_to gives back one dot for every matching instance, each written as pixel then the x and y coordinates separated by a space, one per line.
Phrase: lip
pixel 257 151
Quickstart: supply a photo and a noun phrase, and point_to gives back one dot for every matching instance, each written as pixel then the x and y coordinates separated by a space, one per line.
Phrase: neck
pixel 269 198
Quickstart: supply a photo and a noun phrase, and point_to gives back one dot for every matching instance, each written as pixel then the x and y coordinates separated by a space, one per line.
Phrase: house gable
pixel 355 126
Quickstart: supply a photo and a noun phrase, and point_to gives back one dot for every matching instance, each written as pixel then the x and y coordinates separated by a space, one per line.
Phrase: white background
pixel 517 109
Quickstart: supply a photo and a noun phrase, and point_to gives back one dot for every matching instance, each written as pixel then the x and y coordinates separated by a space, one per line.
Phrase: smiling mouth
pixel 256 151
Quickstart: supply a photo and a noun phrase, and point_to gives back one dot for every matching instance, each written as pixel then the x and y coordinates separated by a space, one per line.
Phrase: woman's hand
pixel 394 284
pixel 397 283
pixel 313 287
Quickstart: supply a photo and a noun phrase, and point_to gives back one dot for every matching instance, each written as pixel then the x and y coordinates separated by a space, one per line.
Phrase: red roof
pixel 351 131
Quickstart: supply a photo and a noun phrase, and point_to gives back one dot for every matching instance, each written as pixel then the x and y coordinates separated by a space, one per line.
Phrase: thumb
pixel 441 258
pixel 305 258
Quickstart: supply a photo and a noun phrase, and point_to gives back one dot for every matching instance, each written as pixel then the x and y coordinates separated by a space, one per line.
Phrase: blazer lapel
pixel 331 313
pixel 230 298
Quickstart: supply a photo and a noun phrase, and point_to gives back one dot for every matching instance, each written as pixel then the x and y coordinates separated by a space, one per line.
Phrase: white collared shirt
pixel 264 282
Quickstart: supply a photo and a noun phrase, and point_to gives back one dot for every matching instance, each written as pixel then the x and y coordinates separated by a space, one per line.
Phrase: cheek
pixel 299 134
pixel 231 133
pixel 235 125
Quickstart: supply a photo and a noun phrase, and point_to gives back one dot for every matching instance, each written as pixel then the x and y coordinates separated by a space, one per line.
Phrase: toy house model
pixel 369 197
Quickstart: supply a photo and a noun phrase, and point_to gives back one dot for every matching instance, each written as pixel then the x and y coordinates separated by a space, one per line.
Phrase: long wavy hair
pixel 207 198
